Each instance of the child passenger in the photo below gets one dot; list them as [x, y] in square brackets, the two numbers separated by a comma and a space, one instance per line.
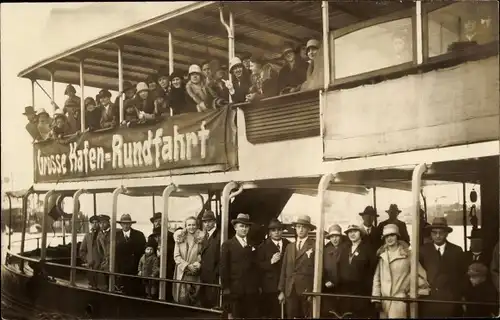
[93, 114]
[149, 266]
[480, 290]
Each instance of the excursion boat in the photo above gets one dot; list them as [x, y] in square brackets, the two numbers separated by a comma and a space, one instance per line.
[404, 96]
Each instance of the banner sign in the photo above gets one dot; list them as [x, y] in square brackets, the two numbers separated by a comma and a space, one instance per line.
[182, 141]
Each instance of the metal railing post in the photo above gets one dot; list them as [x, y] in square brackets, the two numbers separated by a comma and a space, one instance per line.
[326, 46]
[120, 83]
[419, 33]
[53, 90]
[320, 243]
[170, 53]
[112, 237]
[33, 93]
[82, 98]
[45, 218]
[76, 209]
[230, 36]
[164, 240]
[10, 220]
[416, 185]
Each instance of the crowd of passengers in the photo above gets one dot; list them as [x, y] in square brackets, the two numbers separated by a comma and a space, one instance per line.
[204, 87]
[258, 277]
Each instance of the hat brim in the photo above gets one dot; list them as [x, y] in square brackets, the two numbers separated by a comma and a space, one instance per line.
[246, 222]
[352, 229]
[430, 227]
[390, 211]
[234, 66]
[126, 221]
[369, 214]
[270, 227]
[328, 236]
[312, 226]
[154, 218]
[94, 218]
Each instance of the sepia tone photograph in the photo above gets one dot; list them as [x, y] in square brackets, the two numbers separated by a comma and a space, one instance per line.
[250, 160]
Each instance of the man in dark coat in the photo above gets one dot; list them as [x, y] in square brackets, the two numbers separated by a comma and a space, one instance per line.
[89, 252]
[270, 255]
[356, 267]
[297, 271]
[371, 233]
[444, 263]
[475, 253]
[238, 266]
[210, 256]
[129, 92]
[130, 245]
[32, 125]
[393, 219]
[155, 237]
[103, 244]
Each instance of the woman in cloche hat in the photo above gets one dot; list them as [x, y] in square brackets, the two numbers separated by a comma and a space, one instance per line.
[331, 255]
[392, 275]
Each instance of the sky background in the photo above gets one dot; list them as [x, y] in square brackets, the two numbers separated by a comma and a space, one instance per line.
[25, 40]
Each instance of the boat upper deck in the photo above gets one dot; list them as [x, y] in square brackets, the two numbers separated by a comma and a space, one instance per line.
[445, 74]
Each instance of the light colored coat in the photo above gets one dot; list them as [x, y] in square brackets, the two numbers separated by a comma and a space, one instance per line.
[184, 257]
[392, 279]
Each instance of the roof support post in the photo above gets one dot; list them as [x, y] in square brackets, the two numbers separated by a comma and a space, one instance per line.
[326, 46]
[374, 195]
[52, 90]
[33, 93]
[76, 209]
[230, 36]
[164, 240]
[45, 220]
[419, 39]
[120, 81]
[112, 237]
[82, 96]
[416, 186]
[10, 220]
[170, 53]
[320, 242]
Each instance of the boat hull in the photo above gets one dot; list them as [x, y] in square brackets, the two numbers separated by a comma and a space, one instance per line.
[24, 297]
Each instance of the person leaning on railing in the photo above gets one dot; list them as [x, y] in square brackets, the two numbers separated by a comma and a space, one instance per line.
[93, 114]
[108, 117]
[178, 99]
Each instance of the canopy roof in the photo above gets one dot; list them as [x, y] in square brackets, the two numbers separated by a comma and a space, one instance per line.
[261, 28]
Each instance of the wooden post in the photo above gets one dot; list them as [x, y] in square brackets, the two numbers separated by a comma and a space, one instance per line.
[82, 96]
[120, 82]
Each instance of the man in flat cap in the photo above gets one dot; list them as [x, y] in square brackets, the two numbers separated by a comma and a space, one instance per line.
[210, 256]
[270, 256]
[297, 271]
[89, 253]
[238, 266]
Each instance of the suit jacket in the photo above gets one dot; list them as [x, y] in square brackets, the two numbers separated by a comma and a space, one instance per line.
[482, 258]
[210, 256]
[374, 239]
[292, 77]
[241, 89]
[108, 117]
[89, 252]
[237, 267]
[356, 270]
[129, 252]
[270, 273]
[403, 231]
[297, 268]
[445, 275]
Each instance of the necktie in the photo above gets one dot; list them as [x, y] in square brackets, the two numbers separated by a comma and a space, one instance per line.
[279, 246]
[476, 257]
[439, 251]
[299, 245]
[244, 243]
[369, 230]
[206, 236]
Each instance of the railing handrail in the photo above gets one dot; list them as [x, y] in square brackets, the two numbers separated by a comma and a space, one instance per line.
[338, 295]
[53, 264]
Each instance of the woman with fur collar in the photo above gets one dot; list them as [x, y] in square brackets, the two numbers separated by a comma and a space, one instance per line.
[392, 276]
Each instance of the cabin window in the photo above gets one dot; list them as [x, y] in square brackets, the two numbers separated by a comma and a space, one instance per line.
[373, 48]
[462, 24]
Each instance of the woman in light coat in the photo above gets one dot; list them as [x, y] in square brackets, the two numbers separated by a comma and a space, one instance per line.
[187, 257]
[392, 275]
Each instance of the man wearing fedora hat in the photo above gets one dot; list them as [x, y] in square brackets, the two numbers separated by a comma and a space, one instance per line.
[445, 266]
[297, 271]
[32, 126]
[89, 253]
[270, 256]
[356, 267]
[476, 253]
[210, 257]
[110, 114]
[155, 236]
[130, 245]
[393, 212]
[370, 232]
[238, 265]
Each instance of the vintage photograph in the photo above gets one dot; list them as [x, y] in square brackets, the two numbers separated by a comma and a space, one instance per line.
[250, 160]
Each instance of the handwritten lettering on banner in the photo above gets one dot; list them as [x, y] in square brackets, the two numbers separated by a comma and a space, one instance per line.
[183, 141]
